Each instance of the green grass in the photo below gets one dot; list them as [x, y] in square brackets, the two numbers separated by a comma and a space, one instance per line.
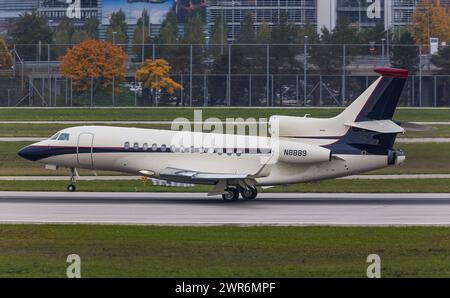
[330, 186]
[146, 251]
[421, 159]
[172, 113]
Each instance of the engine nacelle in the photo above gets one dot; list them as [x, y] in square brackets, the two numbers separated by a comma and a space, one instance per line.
[300, 153]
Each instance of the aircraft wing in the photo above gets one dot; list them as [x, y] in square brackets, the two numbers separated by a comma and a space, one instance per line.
[180, 175]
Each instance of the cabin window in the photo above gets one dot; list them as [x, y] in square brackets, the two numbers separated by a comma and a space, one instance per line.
[230, 151]
[54, 137]
[173, 148]
[238, 152]
[63, 137]
[136, 146]
[219, 151]
[154, 147]
[163, 147]
[126, 145]
[145, 146]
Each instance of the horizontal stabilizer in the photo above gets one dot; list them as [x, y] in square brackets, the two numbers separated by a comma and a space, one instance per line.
[381, 126]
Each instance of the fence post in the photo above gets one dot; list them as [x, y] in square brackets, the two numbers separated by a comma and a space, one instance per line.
[92, 91]
[435, 91]
[420, 76]
[71, 91]
[229, 77]
[113, 87]
[182, 91]
[135, 91]
[250, 90]
[320, 91]
[190, 78]
[305, 66]
[268, 74]
[344, 49]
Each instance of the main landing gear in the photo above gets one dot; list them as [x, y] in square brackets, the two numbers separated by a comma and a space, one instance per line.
[232, 193]
[73, 174]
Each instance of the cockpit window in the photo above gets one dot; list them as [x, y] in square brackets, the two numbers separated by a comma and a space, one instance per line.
[55, 136]
[64, 137]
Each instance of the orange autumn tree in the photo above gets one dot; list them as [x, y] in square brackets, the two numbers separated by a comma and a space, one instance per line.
[155, 75]
[93, 62]
[429, 19]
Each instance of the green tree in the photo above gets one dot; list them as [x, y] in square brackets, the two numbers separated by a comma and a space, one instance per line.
[91, 27]
[31, 29]
[167, 40]
[141, 37]
[247, 34]
[6, 61]
[219, 37]
[62, 37]
[263, 36]
[117, 23]
[442, 60]
[193, 30]
[405, 54]
[282, 54]
[79, 36]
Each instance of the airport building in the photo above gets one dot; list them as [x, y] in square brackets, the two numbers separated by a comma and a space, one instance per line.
[55, 10]
[299, 12]
[320, 13]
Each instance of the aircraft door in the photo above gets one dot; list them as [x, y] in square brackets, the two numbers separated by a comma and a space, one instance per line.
[85, 149]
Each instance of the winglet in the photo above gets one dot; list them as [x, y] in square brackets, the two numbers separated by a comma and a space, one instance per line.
[392, 72]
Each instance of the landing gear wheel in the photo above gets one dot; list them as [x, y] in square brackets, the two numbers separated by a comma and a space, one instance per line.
[249, 193]
[231, 194]
[71, 188]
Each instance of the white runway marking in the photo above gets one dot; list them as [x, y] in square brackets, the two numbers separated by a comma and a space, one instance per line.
[188, 209]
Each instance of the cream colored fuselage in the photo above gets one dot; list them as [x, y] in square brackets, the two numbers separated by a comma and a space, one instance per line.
[108, 154]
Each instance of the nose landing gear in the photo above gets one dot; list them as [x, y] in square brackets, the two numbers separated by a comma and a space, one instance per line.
[73, 174]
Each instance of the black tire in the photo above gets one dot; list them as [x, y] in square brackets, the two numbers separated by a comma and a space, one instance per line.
[71, 188]
[231, 195]
[250, 193]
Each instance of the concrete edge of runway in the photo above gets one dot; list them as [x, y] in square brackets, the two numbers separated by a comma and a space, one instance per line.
[226, 224]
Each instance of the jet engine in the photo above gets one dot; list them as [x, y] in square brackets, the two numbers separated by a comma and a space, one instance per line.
[300, 153]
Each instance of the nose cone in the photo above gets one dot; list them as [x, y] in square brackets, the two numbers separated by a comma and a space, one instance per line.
[25, 153]
[31, 153]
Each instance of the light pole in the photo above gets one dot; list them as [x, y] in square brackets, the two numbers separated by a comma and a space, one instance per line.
[382, 49]
[305, 66]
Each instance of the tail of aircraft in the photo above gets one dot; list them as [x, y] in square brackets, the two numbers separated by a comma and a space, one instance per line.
[370, 118]
[380, 100]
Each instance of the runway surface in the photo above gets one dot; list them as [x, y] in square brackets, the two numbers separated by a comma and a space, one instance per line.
[188, 209]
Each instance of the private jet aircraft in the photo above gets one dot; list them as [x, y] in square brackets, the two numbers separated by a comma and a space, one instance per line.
[298, 150]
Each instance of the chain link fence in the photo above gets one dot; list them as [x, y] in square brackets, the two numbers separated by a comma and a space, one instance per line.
[229, 75]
